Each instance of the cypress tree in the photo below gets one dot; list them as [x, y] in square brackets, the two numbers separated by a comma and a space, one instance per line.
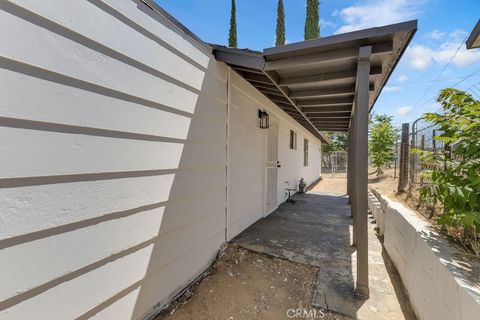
[280, 34]
[312, 29]
[232, 37]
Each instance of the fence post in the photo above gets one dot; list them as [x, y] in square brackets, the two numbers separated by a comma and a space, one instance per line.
[434, 142]
[395, 161]
[422, 147]
[403, 166]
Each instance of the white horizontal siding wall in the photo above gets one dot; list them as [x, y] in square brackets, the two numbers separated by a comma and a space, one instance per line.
[247, 155]
[292, 159]
[113, 181]
[112, 176]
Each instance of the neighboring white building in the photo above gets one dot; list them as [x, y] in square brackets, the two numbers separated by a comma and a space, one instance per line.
[129, 156]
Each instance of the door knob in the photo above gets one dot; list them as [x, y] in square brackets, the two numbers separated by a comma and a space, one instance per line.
[278, 164]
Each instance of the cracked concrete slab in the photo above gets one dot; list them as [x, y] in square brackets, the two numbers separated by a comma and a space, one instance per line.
[316, 230]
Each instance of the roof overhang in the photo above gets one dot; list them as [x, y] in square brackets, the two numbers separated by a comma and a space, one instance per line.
[314, 81]
[473, 40]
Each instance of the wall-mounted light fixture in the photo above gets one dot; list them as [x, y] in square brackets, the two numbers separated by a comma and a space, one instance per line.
[263, 116]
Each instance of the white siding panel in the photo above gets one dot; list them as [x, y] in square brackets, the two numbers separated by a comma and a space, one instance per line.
[241, 172]
[158, 287]
[76, 107]
[33, 208]
[253, 208]
[206, 131]
[113, 127]
[214, 87]
[44, 260]
[248, 155]
[112, 35]
[247, 160]
[193, 233]
[30, 44]
[60, 154]
[162, 30]
[243, 223]
[182, 211]
[122, 308]
[244, 189]
[86, 291]
[193, 181]
[203, 155]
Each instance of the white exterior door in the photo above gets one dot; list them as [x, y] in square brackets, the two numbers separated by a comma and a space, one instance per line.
[271, 168]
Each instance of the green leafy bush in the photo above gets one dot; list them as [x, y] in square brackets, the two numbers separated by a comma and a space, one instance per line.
[452, 175]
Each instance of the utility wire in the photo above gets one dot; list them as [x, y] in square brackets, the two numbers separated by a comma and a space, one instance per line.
[440, 73]
[467, 77]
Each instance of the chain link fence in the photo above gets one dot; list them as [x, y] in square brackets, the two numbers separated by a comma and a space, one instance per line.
[422, 137]
[334, 162]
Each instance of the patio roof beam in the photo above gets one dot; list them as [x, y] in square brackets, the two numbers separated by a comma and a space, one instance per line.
[270, 92]
[332, 124]
[325, 57]
[328, 92]
[333, 129]
[247, 60]
[329, 114]
[326, 102]
[246, 70]
[329, 108]
[341, 75]
[273, 77]
[257, 78]
[331, 119]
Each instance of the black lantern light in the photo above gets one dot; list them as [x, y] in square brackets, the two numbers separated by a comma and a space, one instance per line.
[263, 116]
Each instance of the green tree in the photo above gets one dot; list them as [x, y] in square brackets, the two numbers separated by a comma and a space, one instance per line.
[232, 37]
[452, 175]
[280, 32]
[383, 137]
[312, 28]
[338, 142]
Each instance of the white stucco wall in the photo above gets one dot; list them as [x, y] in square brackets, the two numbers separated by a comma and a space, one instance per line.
[113, 180]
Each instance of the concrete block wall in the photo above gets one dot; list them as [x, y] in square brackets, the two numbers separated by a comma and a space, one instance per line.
[440, 277]
[375, 208]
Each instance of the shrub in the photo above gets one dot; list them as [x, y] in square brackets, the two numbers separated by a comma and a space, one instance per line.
[452, 175]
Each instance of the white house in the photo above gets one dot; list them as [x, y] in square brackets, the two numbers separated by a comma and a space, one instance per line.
[130, 154]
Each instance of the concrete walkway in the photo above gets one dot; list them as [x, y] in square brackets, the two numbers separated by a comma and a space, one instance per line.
[316, 230]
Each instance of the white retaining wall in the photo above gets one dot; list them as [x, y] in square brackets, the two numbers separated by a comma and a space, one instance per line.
[113, 180]
[441, 279]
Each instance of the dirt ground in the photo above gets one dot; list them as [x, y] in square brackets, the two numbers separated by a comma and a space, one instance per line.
[337, 183]
[332, 183]
[386, 183]
[264, 287]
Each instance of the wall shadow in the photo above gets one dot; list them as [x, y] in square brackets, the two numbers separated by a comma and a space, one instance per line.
[193, 224]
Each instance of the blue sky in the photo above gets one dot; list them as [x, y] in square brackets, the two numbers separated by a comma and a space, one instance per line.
[442, 26]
